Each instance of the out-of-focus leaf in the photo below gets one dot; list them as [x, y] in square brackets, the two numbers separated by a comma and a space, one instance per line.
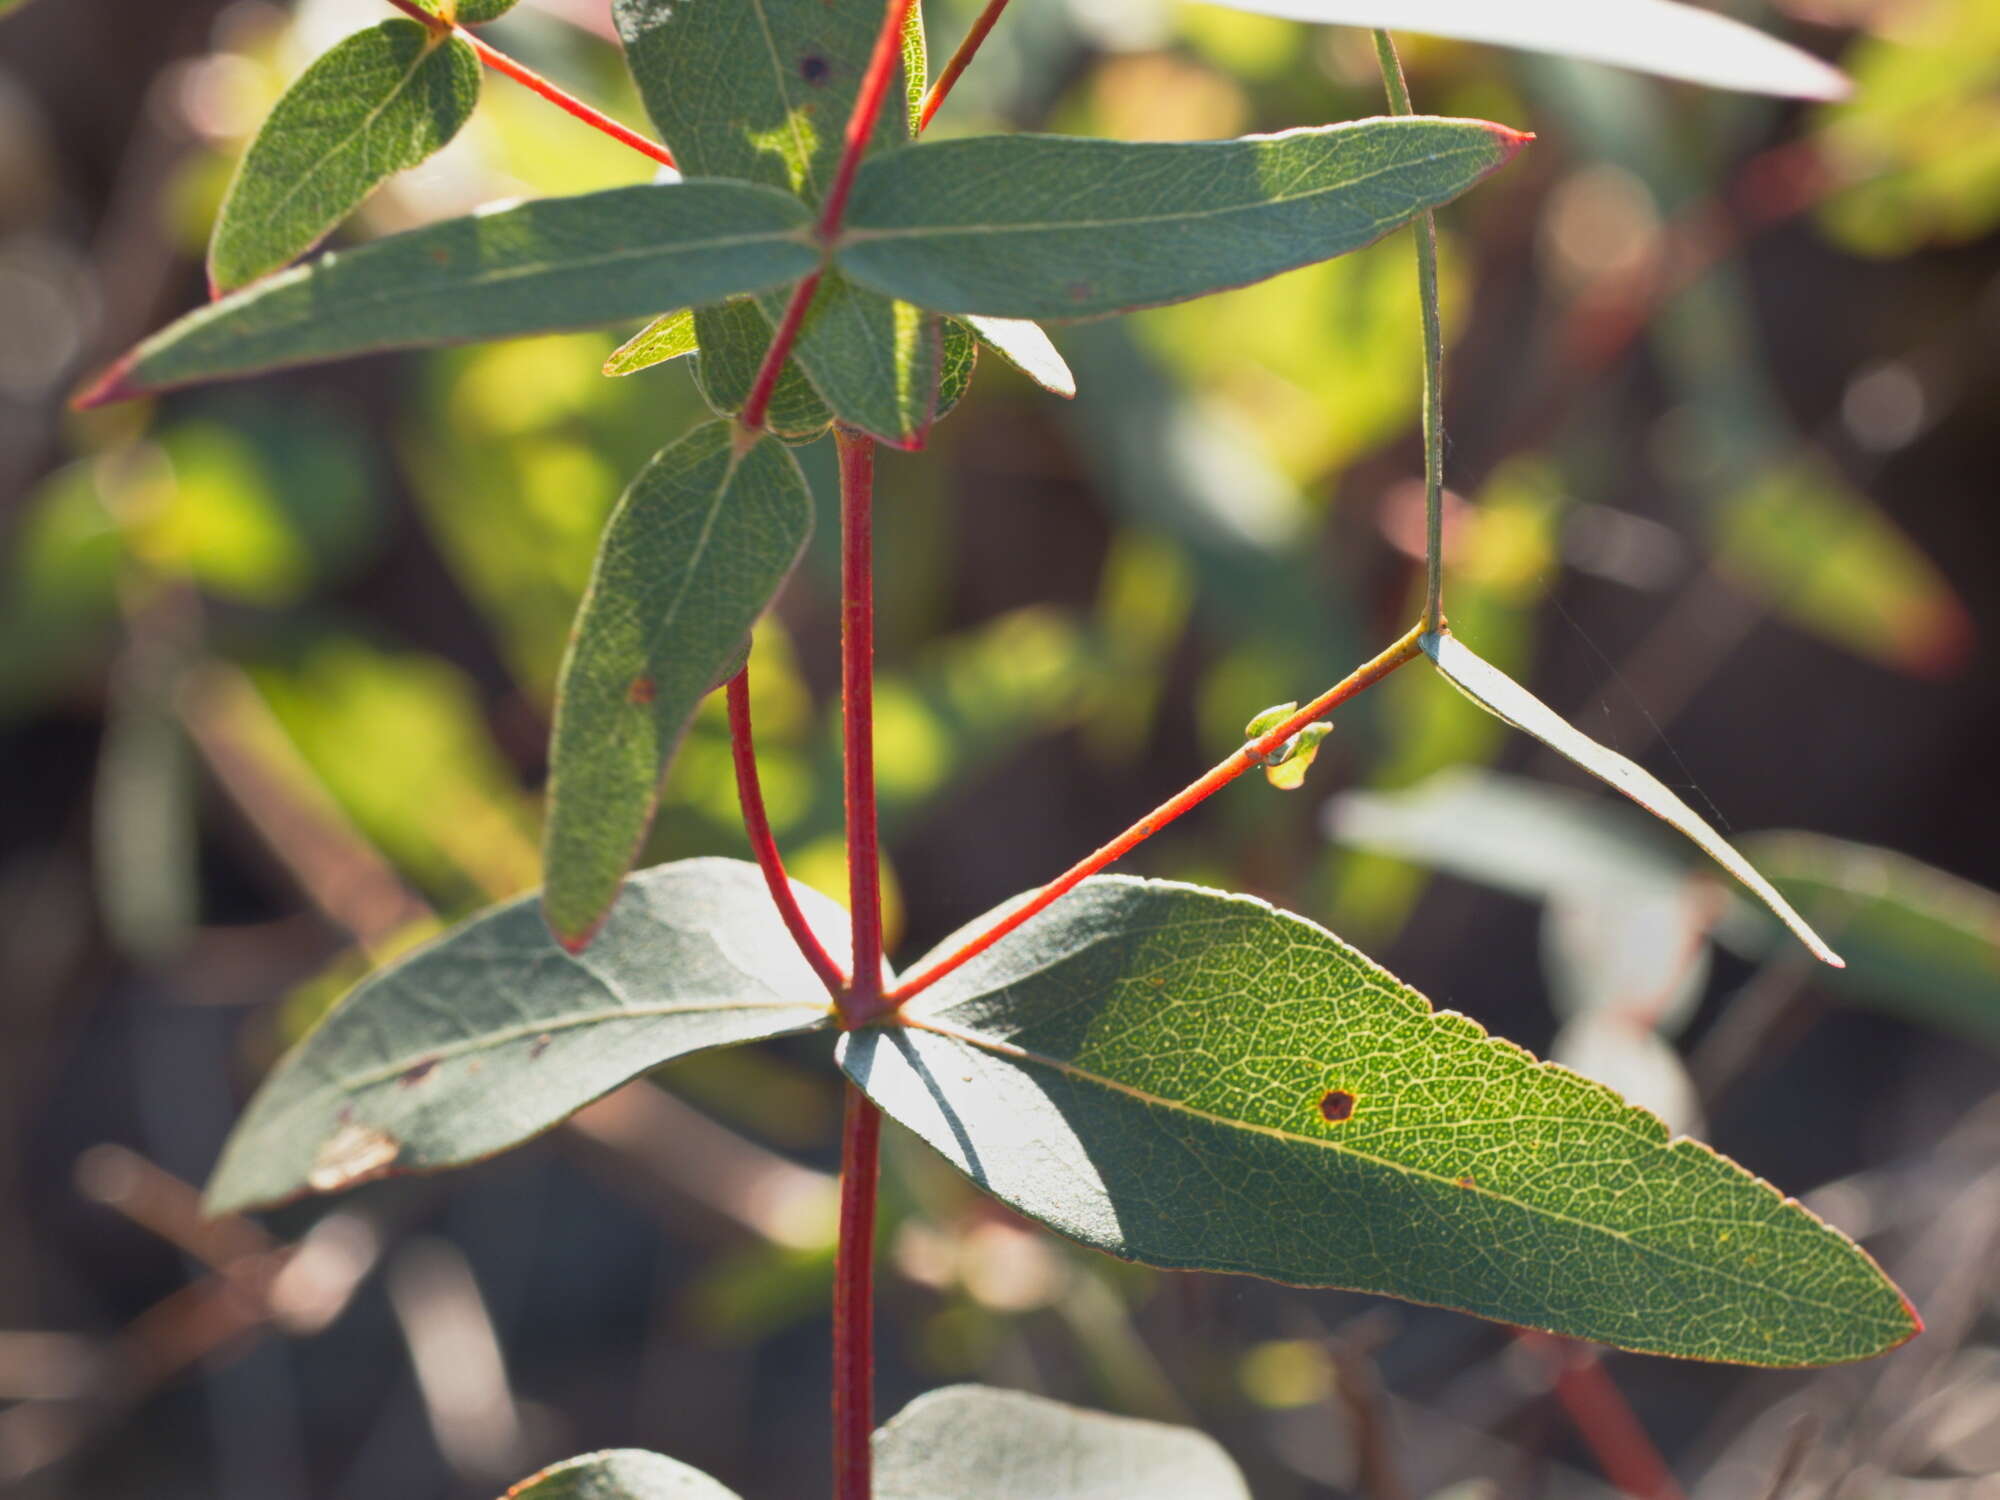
[552, 264]
[493, 1034]
[667, 337]
[693, 555]
[1026, 226]
[1653, 36]
[734, 337]
[380, 102]
[620, 1474]
[143, 813]
[1919, 942]
[1195, 1080]
[1824, 555]
[1630, 1058]
[8, 7]
[60, 596]
[1643, 954]
[468, 12]
[1504, 698]
[968, 1442]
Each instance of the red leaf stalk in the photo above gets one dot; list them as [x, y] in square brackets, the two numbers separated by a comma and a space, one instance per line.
[854, 1300]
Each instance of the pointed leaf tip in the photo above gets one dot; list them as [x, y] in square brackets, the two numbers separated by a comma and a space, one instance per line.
[110, 386]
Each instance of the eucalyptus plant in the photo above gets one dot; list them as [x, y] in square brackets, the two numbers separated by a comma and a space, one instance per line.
[1177, 1076]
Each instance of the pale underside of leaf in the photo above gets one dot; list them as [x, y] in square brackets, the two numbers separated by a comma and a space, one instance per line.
[494, 1033]
[620, 1474]
[378, 103]
[1030, 226]
[1197, 1081]
[1652, 36]
[1028, 349]
[970, 1442]
[1504, 698]
[539, 267]
[693, 555]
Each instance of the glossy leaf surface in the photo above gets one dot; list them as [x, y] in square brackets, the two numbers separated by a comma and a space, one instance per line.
[1653, 36]
[620, 1474]
[557, 263]
[694, 553]
[493, 1033]
[1198, 1081]
[1042, 226]
[968, 1442]
[379, 102]
[1504, 698]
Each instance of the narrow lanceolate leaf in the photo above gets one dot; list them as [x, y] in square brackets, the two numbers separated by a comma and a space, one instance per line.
[378, 103]
[1197, 1081]
[1040, 226]
[694, 553]
[620, 1474]
[968, 1442]
[668, 336]
[1653, 36]
[1504, 698]
[493, 1033]
[1028, 349]
[557, 263]
[734, 337]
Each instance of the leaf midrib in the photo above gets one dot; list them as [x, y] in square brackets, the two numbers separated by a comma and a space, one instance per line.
[1084, 1075]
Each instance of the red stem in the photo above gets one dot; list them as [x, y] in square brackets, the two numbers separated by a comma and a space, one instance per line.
[1606, 1421]
[1213, 781]
[766, 383]
[756, 823]
[500, 62]
[960, 59]
[854, 1300]
[857, 699]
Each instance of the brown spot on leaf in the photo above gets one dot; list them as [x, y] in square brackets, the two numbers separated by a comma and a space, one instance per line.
[541, 1045]
[353, 1153]
[440, 255]
[1466, 1182]
[417, 1072]
[1078, 291]
[814, 69]
[1336, 1105]
[641, 691]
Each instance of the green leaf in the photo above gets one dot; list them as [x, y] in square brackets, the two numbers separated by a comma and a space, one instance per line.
[493, 1033]
[1042, 226]
[380, 102]
[620, 1474]
[468, 12]
[1028, 349]
[668, 336]
[1197, 1081]
[1504, 698]
[877, 363]
[1654, 36]
[734, 338]
[968, 1442]
[694, 553]
[553, 264]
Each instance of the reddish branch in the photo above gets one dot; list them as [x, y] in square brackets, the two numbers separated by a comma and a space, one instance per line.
[960, 60]
[857, 699]
[756, 823]
[1215, 780]
[854, 1300]
[1606, 1421]
[500, 62]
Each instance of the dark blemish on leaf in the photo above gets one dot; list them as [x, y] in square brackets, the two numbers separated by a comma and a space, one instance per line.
[641, 691]
[418, 1072]
[1466, 1182]
[1078, 291]
[813, 68]
[1336, 1105]
[540, 1046]
[440, 255]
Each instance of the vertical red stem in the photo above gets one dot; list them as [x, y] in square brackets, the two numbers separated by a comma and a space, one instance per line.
[854, 1300]
[764, 845]
[857, 697]
[1607, 1423]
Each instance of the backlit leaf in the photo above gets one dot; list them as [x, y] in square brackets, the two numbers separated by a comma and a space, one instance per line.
[620, 1474]
[1654, 36]
[381, 101]
[493, 1033]
[968, 1442]
[694, 553]
[1039, 226]
[734, 337]
[668, 336]
[1504, 698]
[557, 263]
[1198, 1081]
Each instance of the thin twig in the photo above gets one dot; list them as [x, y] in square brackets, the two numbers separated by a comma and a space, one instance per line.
[854, 1300]
[960, 60]
[857, 698]
[1605, 1420]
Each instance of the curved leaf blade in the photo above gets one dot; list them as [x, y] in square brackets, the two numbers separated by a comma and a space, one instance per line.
[378, 103]
[969, 1442]
[493, 1033]
[1043, 226]
[1652, 36]
[1504, 698]
[694, 553]
[1198, 1081]
[541, 267]
[620, 1474]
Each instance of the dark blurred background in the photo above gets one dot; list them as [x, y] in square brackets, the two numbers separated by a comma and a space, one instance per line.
[275, 664]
